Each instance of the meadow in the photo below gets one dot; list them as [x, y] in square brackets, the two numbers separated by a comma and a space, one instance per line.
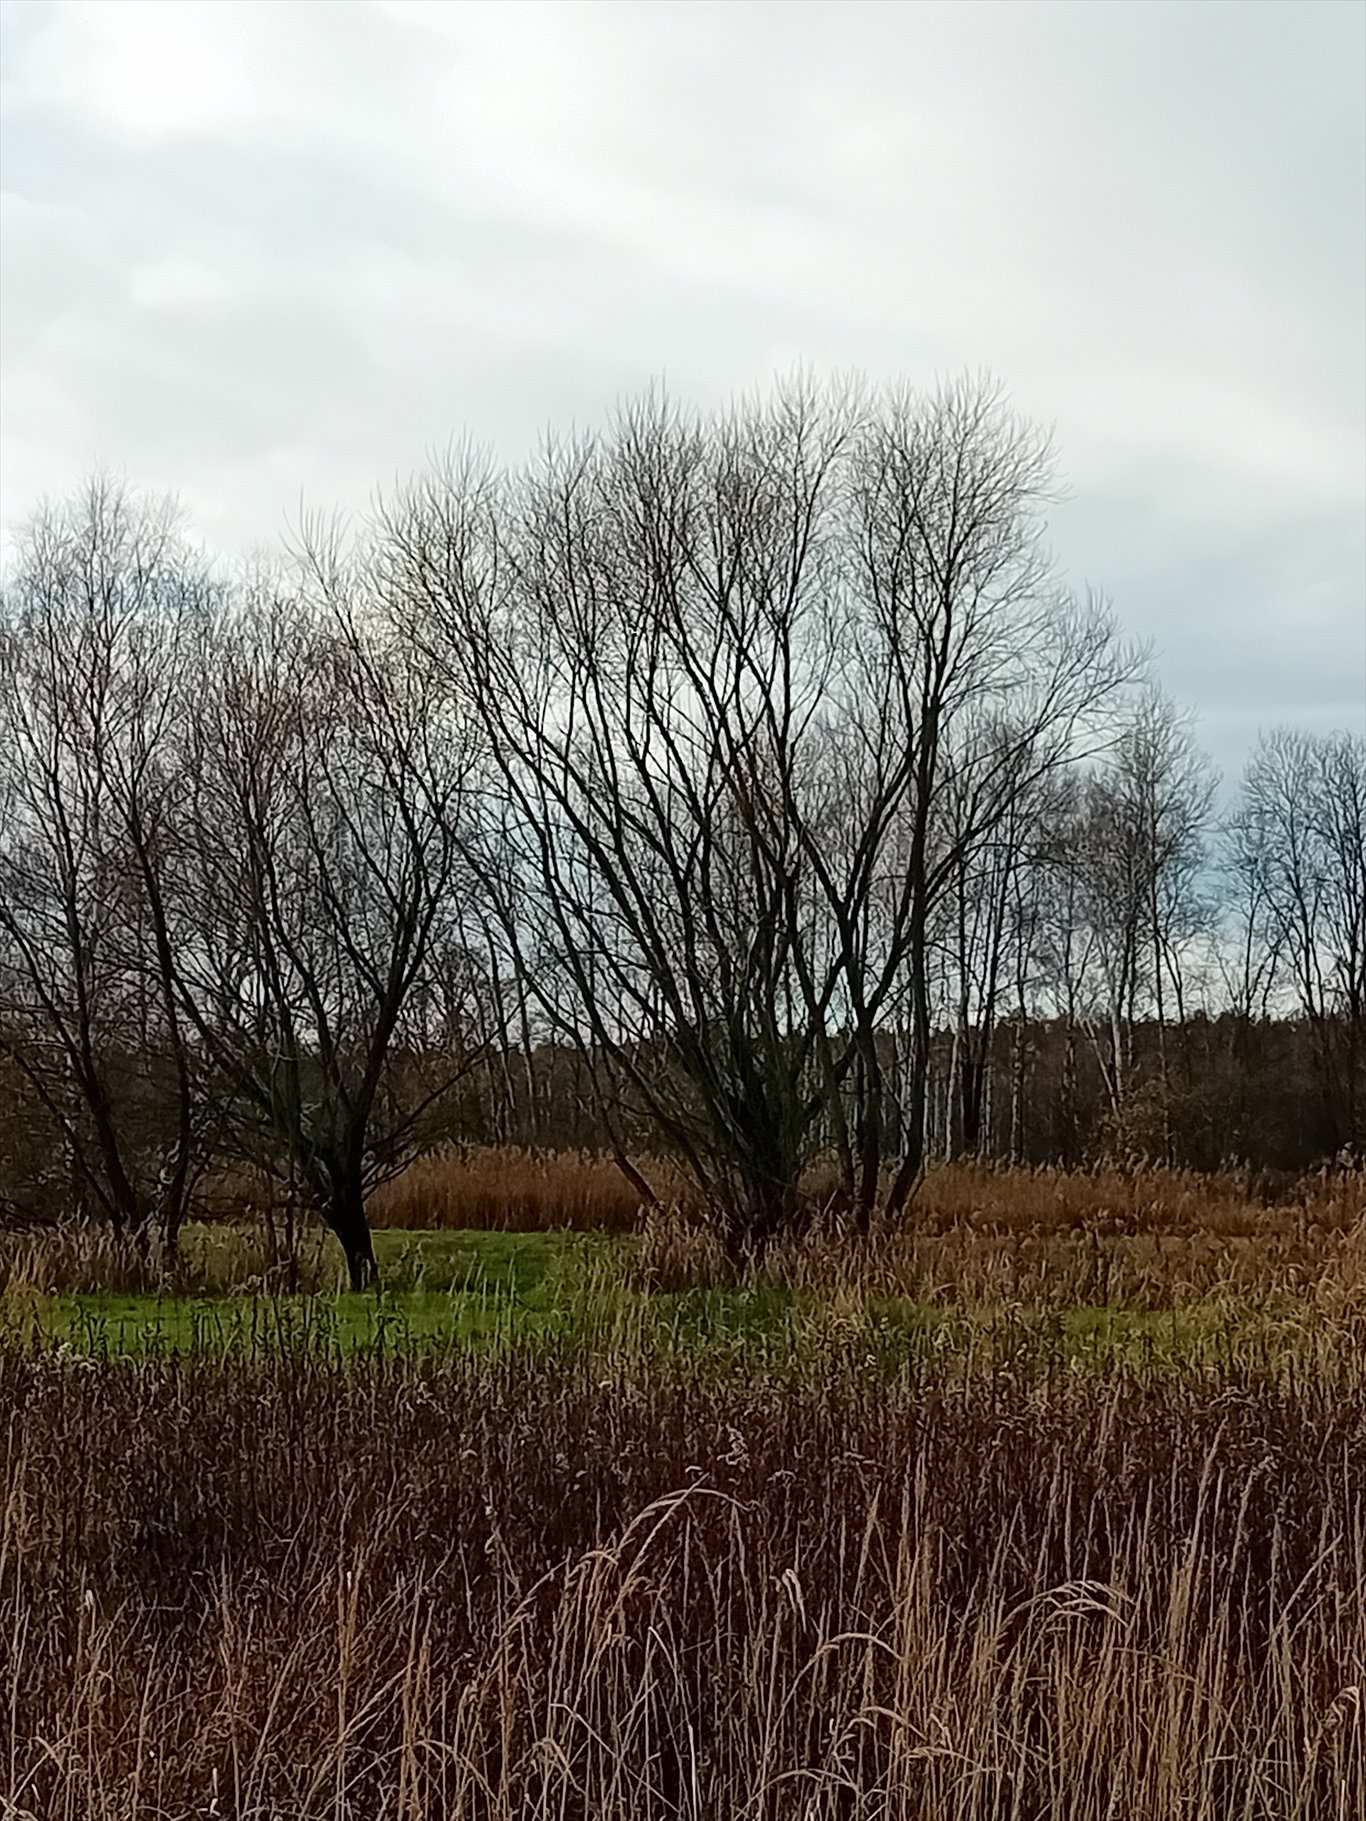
[1051, 1503]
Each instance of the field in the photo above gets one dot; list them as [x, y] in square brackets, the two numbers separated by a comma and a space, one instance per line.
[1052, 1505]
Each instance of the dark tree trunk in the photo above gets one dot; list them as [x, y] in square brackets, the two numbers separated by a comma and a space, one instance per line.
[344, 1212]
[913, 1156]
[972, 1084]
[918, 1078]
[871, 1145]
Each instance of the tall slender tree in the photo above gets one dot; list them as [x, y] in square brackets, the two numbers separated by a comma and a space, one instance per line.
[103, 604]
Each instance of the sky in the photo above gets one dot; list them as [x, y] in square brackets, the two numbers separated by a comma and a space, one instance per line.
[275, 254]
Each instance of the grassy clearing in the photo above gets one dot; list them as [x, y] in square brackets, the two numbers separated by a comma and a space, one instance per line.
[604, 1294]
[448, 1288]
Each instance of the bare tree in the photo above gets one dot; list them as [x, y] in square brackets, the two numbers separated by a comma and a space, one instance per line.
[976, 677]
[729, 672]
[1064, 957]
[639, 627]
[1134, 843]
[328, 965]
[1171, 784]
[1298, 846]
[725, 780]
[102, 606]
[985, 897]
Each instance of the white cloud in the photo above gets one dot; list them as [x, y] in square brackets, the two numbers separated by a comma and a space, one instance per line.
[179, 283]
[144, 68]
[267, 245]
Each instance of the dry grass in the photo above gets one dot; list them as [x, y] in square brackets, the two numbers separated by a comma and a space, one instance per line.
[509, 1190]
[600, 1588]
[80, 1259]
[603, 1579]
[1147, 1240]
[536, 1191]
[515, 1190]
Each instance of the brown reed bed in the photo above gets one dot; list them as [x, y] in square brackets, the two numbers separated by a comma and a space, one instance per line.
[1053, 1239]
[526, 1191]
[628, 1589]
[1150, 1197]
[81, 1258]
[496, 1188]
[639, 1582]
[1144, 1239]
[533, 1191]
[506, 1188]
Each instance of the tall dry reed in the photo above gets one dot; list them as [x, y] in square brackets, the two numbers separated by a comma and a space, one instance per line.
[627, 1589]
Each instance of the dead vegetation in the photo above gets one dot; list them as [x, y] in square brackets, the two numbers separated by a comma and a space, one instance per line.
[610, 1588]
[514, 1189]
[616, 1580]
[511, 1189]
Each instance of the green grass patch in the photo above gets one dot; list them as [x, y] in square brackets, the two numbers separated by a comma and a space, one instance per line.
[440, 1289]
[490, 1290]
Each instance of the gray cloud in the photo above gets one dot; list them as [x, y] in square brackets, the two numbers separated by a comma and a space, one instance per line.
[257, 250]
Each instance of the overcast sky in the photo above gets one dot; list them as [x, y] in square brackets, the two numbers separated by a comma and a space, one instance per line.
[253, 252]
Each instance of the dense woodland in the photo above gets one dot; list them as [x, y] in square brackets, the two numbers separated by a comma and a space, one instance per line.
[744, 789]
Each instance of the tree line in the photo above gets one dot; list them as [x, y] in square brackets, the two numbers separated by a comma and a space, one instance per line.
[743, 786]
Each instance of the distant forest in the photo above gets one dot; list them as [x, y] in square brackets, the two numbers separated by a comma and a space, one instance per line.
[1215, 1091]
[742, 788]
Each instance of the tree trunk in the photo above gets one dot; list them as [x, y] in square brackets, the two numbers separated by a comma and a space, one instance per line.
[917, 1089]
[871, 1147]
[345, 1214]
[972, 1095]
[1069, 1091]
[1017, 1089]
